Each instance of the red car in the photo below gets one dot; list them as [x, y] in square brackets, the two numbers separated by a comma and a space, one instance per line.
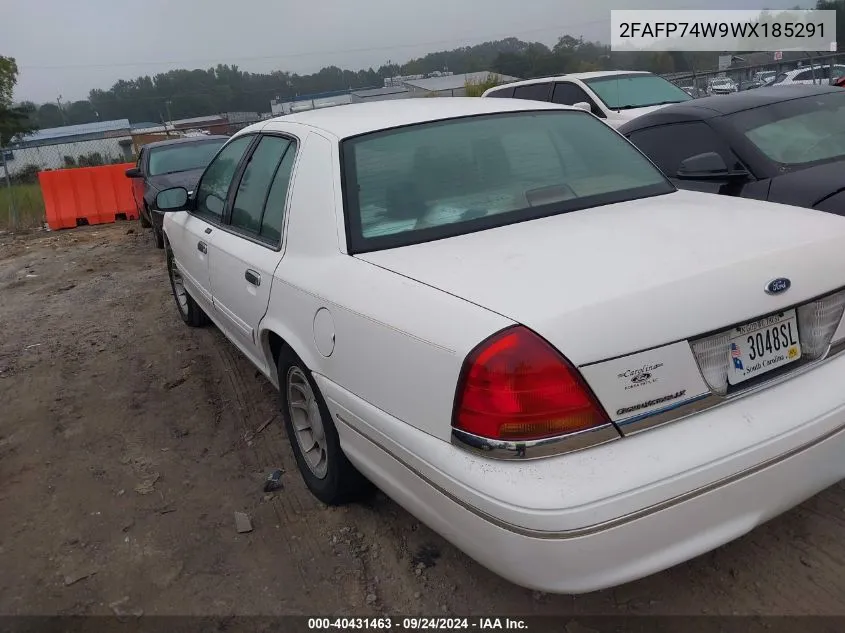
[840, 81]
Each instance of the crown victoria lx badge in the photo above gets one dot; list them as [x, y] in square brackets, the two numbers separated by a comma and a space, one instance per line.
[778, 286]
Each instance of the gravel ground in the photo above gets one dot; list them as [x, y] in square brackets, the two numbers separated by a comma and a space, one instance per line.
[128, 441]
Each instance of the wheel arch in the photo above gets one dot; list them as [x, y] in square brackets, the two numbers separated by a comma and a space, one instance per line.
[275, 338]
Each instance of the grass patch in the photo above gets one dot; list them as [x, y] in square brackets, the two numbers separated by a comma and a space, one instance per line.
[477, 88]
[29, 206]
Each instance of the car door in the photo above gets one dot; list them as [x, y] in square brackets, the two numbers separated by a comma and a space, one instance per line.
[568, 93]
[669, 145]
[193, 232]
[244, 255]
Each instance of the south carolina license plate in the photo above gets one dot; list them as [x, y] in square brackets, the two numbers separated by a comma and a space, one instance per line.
[763, 345]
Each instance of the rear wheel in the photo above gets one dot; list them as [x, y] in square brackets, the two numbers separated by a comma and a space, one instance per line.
[190, 312]
[324, 467]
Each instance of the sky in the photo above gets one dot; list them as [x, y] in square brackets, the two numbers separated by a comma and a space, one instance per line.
[64, 49]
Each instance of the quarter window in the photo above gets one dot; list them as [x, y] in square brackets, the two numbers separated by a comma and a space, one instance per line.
[214, 187]
[502, 92]
[532, 92]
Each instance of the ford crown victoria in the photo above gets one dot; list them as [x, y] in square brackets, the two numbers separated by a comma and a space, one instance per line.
[505, 317]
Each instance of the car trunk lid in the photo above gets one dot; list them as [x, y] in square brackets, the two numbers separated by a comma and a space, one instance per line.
[610, 281]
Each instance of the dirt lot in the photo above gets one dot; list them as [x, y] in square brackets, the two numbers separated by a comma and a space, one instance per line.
[126, 445]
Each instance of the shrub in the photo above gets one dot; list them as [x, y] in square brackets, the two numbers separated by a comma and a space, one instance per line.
[475, 88]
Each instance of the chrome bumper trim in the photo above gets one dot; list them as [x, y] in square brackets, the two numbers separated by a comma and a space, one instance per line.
[605, 525]
[700, 404]
[535, 449]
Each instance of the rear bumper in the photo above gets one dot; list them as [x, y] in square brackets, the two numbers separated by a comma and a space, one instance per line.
[619, 511]
[625, 550]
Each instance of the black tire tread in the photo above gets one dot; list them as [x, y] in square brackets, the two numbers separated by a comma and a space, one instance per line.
[343, 483]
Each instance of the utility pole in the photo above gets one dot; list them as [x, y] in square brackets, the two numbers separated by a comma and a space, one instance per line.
[61, 110]
[13, 215]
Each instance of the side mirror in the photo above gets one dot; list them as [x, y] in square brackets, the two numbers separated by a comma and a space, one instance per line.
[707, 166]
[583, 105]
[173, 199]
[134, 172]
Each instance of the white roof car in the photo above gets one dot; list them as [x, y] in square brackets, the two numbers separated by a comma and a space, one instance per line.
[614, 96]
[808, 75]
[504, 316]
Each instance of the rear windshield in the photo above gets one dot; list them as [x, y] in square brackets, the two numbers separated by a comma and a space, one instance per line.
[624, 92]
[183, 156]
[797, 132]
[429, 181]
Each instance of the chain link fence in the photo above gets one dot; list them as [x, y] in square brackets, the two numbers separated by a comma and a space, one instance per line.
[21, 201]
[794, 69]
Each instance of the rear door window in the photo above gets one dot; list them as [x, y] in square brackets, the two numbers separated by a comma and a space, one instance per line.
[533, 92]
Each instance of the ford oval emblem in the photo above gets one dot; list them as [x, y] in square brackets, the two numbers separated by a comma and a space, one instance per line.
[778, 286]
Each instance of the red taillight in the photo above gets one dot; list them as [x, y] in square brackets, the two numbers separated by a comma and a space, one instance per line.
[517, 387]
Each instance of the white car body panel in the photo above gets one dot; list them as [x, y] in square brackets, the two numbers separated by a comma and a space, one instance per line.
[617, 289]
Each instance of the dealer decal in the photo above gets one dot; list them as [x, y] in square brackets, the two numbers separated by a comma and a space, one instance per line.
[650, 403]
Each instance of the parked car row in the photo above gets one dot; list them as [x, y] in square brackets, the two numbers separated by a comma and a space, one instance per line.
[509, 319]
[782, 143]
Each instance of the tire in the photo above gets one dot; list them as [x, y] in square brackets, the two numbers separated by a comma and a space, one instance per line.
[340, 482]
[188, 309]
[158, 236]
[145, 223]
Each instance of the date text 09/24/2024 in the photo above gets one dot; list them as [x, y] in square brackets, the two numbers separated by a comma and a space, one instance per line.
[417, 624]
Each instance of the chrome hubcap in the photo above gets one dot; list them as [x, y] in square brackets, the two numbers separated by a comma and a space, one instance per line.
[307, 422]
[178, 287]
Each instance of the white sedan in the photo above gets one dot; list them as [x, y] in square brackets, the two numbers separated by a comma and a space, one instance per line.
[505, 317]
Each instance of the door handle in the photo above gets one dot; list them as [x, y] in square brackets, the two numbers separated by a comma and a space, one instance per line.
[253, 277]
[201, 247]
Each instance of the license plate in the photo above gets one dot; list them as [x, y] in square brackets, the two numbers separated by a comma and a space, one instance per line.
[762, 346]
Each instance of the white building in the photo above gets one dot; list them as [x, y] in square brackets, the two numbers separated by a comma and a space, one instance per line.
[451, 85]
[51, 148]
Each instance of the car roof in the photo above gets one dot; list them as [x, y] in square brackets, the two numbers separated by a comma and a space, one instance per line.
[719, 105]
[801, 69]
[353, 119]
[580, 76]
[185, 140]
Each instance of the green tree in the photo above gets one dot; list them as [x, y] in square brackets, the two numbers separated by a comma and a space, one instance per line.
[80, 112]
[49, 115]
[14, 121]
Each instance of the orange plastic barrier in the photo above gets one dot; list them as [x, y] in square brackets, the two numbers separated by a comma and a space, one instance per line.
[87, 195]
